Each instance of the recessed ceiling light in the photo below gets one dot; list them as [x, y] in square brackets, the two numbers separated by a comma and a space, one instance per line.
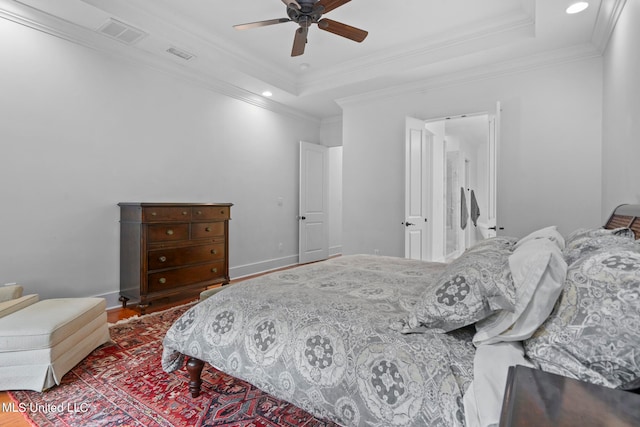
[577, 7]
[267, 93]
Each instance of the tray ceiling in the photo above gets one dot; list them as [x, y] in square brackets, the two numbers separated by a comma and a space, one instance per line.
[411, 43]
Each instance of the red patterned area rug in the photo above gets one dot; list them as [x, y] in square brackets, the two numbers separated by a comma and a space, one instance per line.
[122, 384]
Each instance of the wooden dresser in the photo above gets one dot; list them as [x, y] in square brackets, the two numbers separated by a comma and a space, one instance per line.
[170, 250]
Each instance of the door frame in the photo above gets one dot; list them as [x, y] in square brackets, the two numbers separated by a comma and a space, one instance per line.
[436, 221]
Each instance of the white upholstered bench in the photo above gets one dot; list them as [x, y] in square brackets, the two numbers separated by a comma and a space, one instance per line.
[40, 341]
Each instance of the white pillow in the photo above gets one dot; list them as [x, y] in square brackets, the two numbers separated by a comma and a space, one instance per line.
[538, 271]
[550, 233]
[483, 399]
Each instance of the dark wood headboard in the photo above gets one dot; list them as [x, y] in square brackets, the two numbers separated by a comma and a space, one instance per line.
[625, 216]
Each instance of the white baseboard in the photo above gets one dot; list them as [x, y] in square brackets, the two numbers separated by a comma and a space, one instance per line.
[335, 250]
[237, 272]
[245, 270]
[112, 299]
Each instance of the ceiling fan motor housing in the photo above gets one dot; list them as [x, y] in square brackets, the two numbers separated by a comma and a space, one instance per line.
[307, 14]
[307, 3]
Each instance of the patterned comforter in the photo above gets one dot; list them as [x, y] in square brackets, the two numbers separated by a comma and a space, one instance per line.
[319, 336]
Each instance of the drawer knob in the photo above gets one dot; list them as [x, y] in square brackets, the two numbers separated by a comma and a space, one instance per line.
[199, 213]
[170, 232]
[207, 229]
[184, 212]
[162, 280]
[214, 270]
[153, 214]
[221, 212]
[214, 252]
[162, 259]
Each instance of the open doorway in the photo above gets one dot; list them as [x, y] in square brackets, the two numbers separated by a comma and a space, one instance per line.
[466, 181]
[460, 184]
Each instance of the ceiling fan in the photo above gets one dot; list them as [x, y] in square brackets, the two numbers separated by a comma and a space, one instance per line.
[307, 12]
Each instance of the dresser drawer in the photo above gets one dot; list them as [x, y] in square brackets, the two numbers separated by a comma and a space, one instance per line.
[167, 258]
[203, 213]
[167, 232]
[172, 279]
[166, 213]
[202, 230]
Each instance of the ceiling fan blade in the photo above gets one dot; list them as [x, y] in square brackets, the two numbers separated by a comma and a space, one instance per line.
[329, 5]
[344, 30]
[292, 3]
[261, 23]
[299, 41]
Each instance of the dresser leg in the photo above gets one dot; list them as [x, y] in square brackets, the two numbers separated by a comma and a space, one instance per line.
[124, 300]
[143, 307]
[194, 367]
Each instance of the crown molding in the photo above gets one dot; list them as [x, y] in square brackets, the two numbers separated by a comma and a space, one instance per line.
[431, 51]
[172, 26]
[46, 23]
[608, 14]
[516, 66]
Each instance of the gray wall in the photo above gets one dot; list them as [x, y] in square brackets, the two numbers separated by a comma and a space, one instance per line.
[621, 123]
[81, 131]
[549, 170]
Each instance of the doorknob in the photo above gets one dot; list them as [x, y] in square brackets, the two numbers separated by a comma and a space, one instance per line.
[494, 228]
[302, 218]
[407, 224]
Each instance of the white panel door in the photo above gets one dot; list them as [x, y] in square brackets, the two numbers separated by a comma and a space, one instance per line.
[313, 223]
[494, 140]
[417, 191]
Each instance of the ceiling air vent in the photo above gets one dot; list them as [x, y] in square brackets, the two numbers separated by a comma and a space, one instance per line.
[180, 53]
[121, 31]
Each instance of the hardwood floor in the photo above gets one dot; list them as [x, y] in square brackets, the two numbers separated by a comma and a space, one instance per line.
[8, 418]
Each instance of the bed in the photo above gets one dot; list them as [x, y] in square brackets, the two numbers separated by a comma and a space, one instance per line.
[384, 341]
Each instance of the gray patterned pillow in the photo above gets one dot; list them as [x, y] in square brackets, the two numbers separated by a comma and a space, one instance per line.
[471, 288]
[594, 332]
[585, 243]
[596, 232]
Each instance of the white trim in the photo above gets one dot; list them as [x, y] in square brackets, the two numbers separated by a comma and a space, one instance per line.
[158, 20]
[360, 70]
[335, 251]
[241, 271]
[60, 28]
[237, 272]
[415, 54]
[608, 14]
[520, 65]
[112, 299]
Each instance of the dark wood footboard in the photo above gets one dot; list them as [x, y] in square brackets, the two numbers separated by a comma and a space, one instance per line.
[194, 367]
[625, 216]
